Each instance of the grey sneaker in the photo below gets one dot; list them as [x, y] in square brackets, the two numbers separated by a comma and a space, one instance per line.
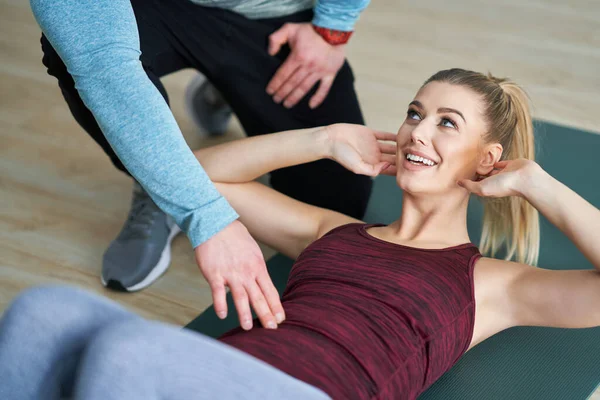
[142, 251]
[207, 108]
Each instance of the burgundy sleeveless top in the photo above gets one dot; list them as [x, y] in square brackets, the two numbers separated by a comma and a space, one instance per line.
[368, 319]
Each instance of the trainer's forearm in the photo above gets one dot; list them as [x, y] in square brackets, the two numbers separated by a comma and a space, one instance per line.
[99, 43]
[573, 215]
[247, 159]
[340, 15]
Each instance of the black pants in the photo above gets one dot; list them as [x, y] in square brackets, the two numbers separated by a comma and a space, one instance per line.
[231, 51]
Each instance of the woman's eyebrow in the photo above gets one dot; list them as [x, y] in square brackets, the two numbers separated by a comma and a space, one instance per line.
[451, 110]
[418, 104]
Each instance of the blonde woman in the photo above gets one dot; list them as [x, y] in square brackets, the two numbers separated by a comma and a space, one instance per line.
[371, 311]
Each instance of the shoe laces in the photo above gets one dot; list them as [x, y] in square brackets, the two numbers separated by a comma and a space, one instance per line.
[142, 216]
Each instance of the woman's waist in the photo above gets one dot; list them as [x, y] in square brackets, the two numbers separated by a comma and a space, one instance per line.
[305, 354]
[376, 343]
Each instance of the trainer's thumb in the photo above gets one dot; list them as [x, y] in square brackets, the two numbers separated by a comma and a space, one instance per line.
[279, 38]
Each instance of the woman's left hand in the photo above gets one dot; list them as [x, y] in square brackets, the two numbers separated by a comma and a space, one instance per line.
[363, 150]
[506, 179]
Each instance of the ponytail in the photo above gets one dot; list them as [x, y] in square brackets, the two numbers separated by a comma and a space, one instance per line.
[513, 220]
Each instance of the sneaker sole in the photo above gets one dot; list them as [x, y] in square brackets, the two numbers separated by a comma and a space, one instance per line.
[159, 269]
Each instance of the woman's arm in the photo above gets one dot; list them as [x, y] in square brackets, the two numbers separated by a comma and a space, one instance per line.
[526, 295]
[277, 220]
[247, 159]
[565, 209]
[515, 294]
[356, 147]
[568, 299]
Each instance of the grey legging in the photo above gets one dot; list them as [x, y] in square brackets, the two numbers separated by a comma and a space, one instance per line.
[62, 341]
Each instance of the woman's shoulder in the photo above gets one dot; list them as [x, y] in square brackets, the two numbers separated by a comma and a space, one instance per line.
[500, 268]
[335, 225]
[345, 227]
[493, 280]
[492, 275]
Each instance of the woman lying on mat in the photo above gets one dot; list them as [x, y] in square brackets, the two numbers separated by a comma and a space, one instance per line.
[371, 311]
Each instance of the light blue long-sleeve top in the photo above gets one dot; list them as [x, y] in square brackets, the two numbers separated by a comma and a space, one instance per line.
[340, 15]
[99, 43]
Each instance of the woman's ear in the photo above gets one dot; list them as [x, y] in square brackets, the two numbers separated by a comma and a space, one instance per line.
[490, 156]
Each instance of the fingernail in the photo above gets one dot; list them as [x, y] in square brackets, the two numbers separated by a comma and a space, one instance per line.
[287, 105]
[222, 314]
[279, 317]
[247, 324]
[269, 91]
[271, 325]
[277, 99]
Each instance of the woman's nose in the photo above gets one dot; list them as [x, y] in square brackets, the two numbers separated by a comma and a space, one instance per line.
[420, 135]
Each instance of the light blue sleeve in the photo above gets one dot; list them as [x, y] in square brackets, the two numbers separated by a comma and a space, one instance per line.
[340, 15]
[99, 43]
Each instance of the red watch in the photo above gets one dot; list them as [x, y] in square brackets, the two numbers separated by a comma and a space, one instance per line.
[333, 37]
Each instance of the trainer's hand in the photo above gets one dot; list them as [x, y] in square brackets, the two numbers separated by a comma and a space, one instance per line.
[362, 150]
[232, 258]
[312, 59]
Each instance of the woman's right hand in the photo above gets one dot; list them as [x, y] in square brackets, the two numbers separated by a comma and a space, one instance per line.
[362, 150]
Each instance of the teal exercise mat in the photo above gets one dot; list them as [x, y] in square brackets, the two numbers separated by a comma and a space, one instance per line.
[520, 363]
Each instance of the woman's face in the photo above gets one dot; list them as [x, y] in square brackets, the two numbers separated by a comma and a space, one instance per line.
[440, 140]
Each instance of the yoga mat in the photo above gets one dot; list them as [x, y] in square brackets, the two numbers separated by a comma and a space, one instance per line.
[520, 363]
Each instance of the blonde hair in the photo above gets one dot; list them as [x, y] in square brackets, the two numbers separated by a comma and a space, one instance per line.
[509, 221]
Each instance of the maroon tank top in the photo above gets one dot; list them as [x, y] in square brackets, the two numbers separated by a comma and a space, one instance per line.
[368, 319]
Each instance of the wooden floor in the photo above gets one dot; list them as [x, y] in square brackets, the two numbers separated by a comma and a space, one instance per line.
[62, 202]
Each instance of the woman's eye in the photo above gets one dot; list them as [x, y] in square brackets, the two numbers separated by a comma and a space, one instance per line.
[448, 123]
[412, 114]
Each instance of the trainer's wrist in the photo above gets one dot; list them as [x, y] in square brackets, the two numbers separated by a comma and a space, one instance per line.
[332, 36]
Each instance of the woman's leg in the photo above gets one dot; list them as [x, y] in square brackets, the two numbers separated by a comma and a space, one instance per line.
[42, 335]
[139, 359]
